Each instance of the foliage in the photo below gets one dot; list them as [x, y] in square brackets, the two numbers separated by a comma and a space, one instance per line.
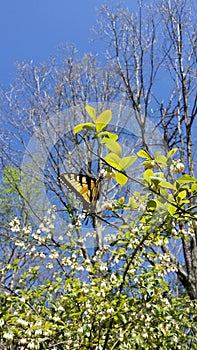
[124, 276]
[124, 302]
[10, 201]
[93, 315]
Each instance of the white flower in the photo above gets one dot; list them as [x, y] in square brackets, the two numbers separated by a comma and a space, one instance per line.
[179, 168]
[22, 322]
[113, 278]
[49, 266]
[145, 335]
[109, 238]
[27, 229]
[38, 323]
[8, 336]
[116, 260]
[89, 268]
[23, 341]
[148, 305]
[51, 227]
[142, 207]
[110, 310]
[121, 336]
[35, 235]
[135, 230]
[103, 267]
[44, 228]
[101, 293]
[19, 243]
[108, 173]
[42, 255]
[42, 239]
[33, 249]
[66, 261]
[88, 305]
[78, 223]
[47, 332]
[51, 210]
[174, 232]
[103, 284]
[80, 330]
[88, 262]
[53, 255]
[85, 290]
[56, 318]
[81, 216]
[38, 331]
[60, 308]
[79, 268]
[15, 225]
[31, 345]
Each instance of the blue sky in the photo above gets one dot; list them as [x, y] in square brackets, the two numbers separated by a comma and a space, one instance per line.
[33, 29]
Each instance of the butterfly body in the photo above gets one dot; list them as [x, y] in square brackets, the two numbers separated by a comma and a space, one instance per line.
[84, 186]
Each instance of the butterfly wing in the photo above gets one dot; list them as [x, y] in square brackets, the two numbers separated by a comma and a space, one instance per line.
[84, 186]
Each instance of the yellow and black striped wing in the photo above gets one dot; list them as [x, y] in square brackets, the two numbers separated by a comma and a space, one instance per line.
[84, 186]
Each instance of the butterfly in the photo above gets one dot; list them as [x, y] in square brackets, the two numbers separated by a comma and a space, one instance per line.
[85, 187]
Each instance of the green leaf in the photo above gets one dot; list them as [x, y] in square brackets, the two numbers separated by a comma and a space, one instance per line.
[143, 154]
[113, 160]
[113, 146]
[161, 160]
[172, 152]
[59, 279]
[182, 194]
[186, 178]
[108, 135]
[166, 184]
[103, 119]
[91, 111]
[194, 188]
[156, 181]
[126, 162]
[121, 200]
[152, 204]
[172, 209]
[112, 244]
[121, 178]
[123, 318]
[128, 235]
[165, 194]
[80, 127]
[15, 262]
[147, 174]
